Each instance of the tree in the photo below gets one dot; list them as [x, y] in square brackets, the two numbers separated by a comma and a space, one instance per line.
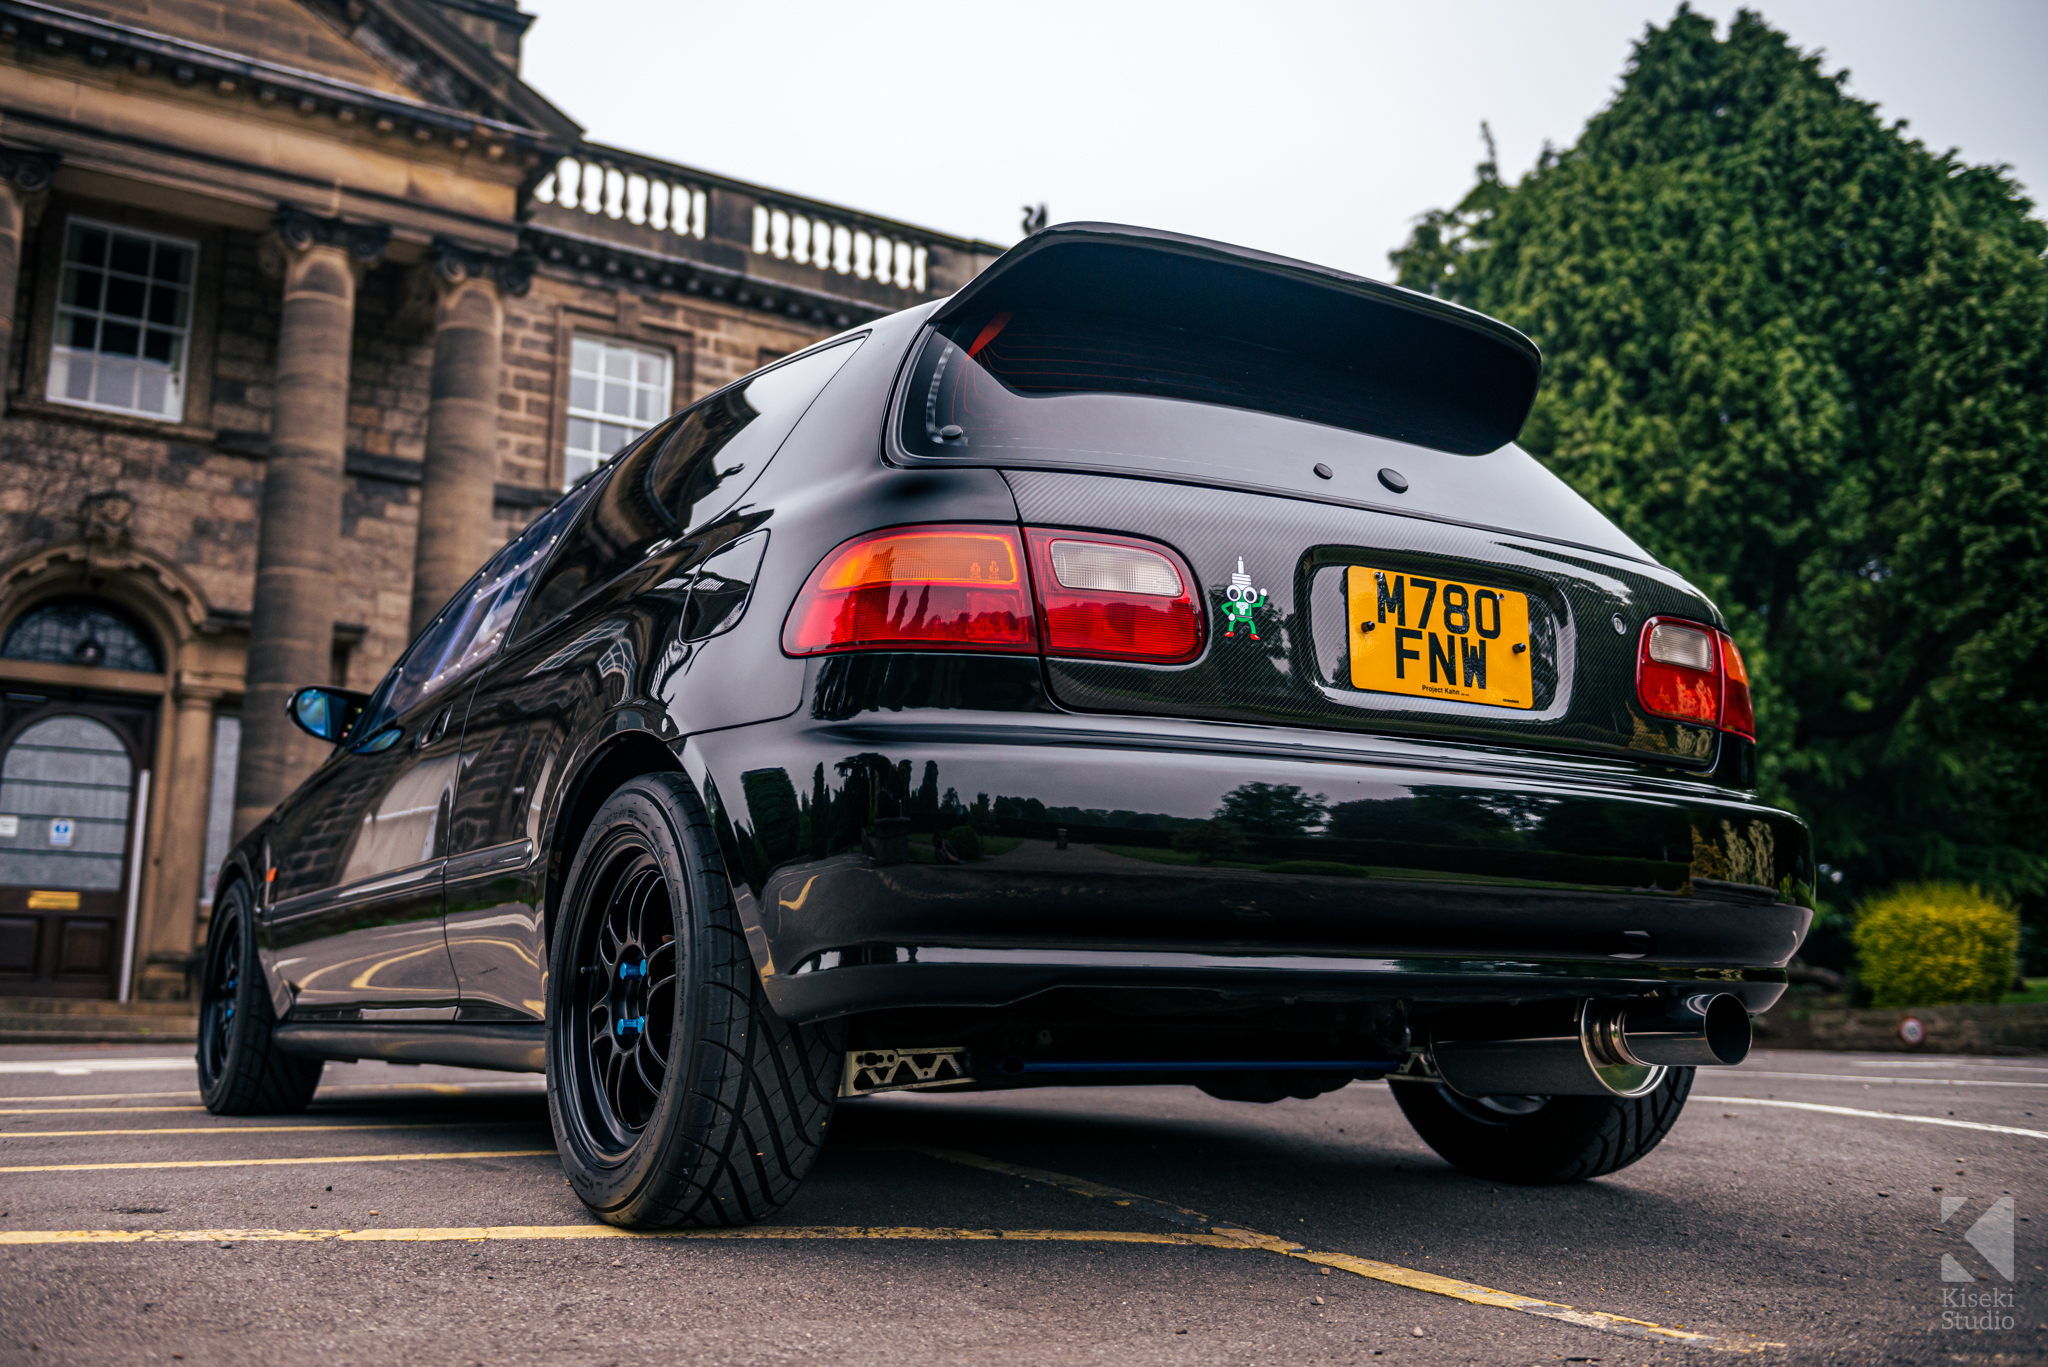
[1804, 360]
[1272, 809]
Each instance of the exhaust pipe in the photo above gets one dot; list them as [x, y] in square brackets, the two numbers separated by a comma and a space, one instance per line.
[1591, 1048]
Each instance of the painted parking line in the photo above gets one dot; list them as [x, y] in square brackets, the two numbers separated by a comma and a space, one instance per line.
[1819, 1109]
[491, 1233]
[265, 1129]
[97, 1110]
[1392, 1273]
[80, 1067]
[284, 1162]
[429, 1088]
[1165, 1210]
[1866, 1079]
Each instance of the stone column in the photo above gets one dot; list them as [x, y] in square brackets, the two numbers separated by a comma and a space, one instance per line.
[291, 627]
[22, 175]
[168, 931]
[461, 467]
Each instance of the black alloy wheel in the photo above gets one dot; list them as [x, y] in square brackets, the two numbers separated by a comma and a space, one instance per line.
[241, 1069]
[1539, 1141]
[623, 1013]
[677, 1095]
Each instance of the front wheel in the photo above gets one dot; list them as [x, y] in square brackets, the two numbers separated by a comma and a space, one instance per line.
[1539, 1141]
[677, 1095]
[241, 1069]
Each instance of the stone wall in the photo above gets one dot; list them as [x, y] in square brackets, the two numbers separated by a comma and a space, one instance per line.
[2013, 1028]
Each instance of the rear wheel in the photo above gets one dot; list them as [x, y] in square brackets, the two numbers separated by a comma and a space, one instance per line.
[677, 1095]
[1537, 1141]
[241, 1069]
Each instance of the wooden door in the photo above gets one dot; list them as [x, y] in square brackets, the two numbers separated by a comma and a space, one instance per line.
[67, 804]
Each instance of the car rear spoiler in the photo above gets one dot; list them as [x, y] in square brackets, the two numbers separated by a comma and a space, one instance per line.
[1476, 375]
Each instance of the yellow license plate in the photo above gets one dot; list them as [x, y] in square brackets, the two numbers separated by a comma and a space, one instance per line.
[1438, 638]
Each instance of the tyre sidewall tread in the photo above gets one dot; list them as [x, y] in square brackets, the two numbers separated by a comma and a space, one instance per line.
[257, 1077]
[1572, 1139]
[748, 1097]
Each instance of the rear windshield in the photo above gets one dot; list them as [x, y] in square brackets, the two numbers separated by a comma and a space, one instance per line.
[1054, 386]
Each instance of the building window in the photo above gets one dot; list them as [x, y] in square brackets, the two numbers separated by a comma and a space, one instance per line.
[616, 392]
[124, 320]
[82, 631]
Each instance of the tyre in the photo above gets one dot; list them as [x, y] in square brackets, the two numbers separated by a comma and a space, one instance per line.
[1537, 1141]
[241, 1069]
[677, 1095]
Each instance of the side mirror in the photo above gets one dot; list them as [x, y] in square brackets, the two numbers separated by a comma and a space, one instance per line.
[325, 713]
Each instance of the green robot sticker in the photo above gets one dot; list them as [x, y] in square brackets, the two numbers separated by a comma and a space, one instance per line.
[1238, 602]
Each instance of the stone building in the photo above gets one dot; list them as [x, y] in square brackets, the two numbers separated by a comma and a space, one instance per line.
[313, 303]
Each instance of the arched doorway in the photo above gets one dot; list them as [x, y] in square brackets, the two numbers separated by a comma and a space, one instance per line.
[67, 803]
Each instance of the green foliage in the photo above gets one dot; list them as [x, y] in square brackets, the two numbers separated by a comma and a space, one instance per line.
[966, 842]
[1923, 944]
[1212, 840]
[1804, 360]
[1272, 809]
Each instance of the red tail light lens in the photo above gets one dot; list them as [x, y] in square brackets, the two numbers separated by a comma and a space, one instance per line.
[917, 588]
[1114, 598]
[1694, 673]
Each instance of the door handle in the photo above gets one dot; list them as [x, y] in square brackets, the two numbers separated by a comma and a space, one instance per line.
[433, 730]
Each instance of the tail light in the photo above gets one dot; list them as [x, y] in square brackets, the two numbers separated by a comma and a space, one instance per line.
[1694, 673]
[917, 588]
[1113, 598]
[1738, 713]
[967, 588]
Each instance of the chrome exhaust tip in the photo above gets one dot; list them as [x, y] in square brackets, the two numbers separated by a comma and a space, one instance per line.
[1594, 1048]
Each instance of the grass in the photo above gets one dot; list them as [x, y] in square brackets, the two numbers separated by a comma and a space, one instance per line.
[991, 846]
[2037, 991]
[1152, 854]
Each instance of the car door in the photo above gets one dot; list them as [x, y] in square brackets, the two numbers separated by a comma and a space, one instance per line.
[593, 636]
[354, 925]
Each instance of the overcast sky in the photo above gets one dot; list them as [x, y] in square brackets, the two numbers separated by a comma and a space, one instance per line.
[1317, 130]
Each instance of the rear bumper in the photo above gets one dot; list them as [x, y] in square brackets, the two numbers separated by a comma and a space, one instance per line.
[1433, 874]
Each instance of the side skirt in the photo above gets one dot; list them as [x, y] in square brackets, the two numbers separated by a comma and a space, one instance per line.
[511, 1048]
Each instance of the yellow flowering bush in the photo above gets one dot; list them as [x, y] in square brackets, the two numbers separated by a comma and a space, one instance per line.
[1922, 944]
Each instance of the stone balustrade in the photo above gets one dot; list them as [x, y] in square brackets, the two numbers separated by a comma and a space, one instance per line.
[606, 187]
[617, 213]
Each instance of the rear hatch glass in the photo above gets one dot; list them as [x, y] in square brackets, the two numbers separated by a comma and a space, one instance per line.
[1053, 390]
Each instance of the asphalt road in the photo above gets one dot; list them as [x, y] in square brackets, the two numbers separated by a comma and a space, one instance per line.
[1799, 1202]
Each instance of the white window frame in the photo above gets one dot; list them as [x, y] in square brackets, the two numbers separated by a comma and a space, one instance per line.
[659, 398]
[57, 377]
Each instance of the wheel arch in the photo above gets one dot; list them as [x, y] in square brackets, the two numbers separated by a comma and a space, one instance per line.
[621, 759]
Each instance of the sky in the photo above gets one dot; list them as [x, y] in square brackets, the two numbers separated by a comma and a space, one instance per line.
[1315, 130]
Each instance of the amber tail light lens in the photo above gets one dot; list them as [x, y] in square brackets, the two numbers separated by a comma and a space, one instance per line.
[917, 588]
[1738, 713]
[1694, 673]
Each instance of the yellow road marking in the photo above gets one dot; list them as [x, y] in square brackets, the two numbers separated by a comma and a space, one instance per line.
[1079, 1186]
[285, 1162]
[1392, 1273]
[438, 1088]
[97, 1110]
[262, 1129]
[483, 1233]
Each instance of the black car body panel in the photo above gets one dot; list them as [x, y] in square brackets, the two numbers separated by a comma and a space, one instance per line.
[1435, 852]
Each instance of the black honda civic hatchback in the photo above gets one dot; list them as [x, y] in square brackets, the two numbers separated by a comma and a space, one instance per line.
[1152, 664]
